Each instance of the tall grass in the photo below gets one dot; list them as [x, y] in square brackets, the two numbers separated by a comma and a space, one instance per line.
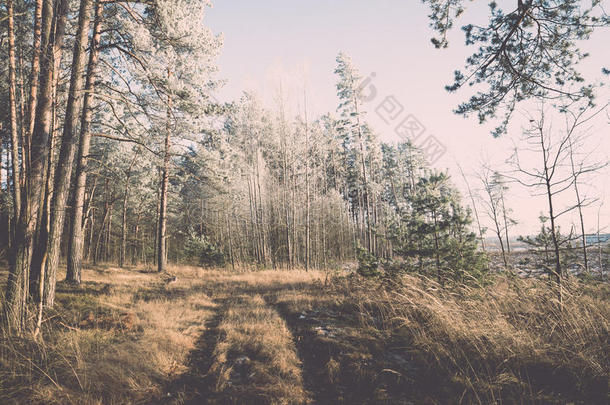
[505, 342]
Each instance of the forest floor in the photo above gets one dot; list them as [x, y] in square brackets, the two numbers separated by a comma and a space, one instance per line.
[296, 337]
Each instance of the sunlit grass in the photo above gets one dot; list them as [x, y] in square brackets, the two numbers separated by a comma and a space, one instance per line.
[106, 347]
[125, 335]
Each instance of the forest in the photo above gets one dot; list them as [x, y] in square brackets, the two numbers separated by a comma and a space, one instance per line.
[266, 253]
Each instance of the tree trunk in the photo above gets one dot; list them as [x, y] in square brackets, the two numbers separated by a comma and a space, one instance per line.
[36, 51]
[13, 111]
[474, 208]
[365, 184]
[108, 233]
[323, 213]
[20, 83]
[260, 211]
[161, 254]
[157, 214]
[21, 255]
[123, 253]
[307, 202]
[77, 232]
[136, 236]
[549, 194]
[96, 252]
[558, 274]
[505, 217]
[39, 255]
[91, 234]
[40, 250]
[437, 252]
[231, 255]
[599, 247]
[286, 213]
[69, 141]
[579, 203]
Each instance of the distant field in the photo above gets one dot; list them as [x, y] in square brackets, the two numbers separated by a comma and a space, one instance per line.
[295, 337]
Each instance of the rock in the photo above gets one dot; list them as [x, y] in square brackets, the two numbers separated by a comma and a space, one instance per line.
[324, 331]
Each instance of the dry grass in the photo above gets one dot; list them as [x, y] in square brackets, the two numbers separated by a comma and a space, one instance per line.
[255, 359]
[290, 337]
[501, 343]
[103, 343]
[248, 356]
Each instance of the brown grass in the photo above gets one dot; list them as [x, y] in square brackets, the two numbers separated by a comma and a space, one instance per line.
[255, 356]
[102, 343]
[290, 337]
[506, 342]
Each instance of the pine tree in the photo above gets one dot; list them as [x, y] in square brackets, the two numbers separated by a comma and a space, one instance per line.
[435, 231]
[542, 246]
[529, 49]
[355, 138]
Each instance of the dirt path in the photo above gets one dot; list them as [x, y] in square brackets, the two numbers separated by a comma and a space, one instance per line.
[343, 363]
[195, 386]
[246, 353]
[277, 342]
[314, 357]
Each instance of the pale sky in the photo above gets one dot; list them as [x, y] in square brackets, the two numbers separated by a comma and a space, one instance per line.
[298, 42]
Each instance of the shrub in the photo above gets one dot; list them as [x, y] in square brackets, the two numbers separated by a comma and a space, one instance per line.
[201, 249]
[368, 264]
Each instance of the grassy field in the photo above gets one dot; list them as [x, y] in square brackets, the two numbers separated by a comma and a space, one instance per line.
[295, 337]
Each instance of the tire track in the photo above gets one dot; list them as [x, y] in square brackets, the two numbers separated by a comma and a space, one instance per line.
[246, 355]
[196, 385]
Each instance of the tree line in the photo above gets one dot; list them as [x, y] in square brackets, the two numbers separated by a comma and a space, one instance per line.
[125, 71]
[115, 150]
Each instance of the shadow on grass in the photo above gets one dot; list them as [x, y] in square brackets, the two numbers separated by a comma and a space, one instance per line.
[343, 364]
[93, 288]
[196, 386]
